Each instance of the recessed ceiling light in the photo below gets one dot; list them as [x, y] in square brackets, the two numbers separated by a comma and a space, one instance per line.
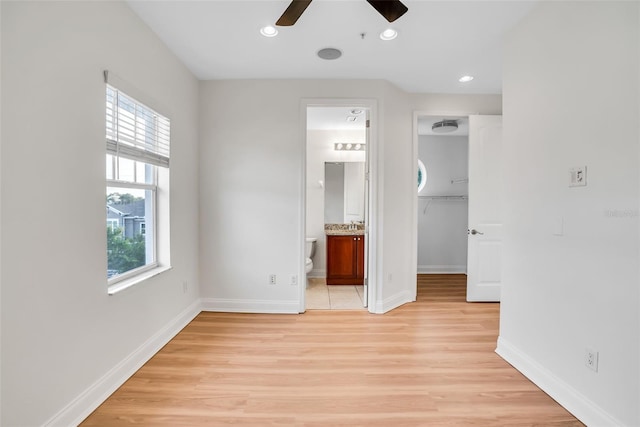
[269, 31]
[465, 79]
[389, 34]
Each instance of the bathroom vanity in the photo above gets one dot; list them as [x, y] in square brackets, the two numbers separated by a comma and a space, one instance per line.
[345, 258]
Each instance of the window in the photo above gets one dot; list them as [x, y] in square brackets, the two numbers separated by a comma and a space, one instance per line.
[113, 223]
[137, 153]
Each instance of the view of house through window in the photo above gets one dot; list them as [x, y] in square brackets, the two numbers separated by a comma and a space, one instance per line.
[137, 147]
[126, 224]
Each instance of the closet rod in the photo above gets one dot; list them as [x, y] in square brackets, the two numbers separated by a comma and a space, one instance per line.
[444, 197]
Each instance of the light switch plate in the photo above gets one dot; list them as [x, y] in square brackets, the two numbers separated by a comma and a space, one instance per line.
[578, 176]
[558, 226]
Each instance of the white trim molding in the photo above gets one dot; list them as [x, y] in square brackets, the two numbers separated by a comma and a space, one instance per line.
[225, 305]
[393, 301]
[83, 405]
[579, 405]
[317, 273]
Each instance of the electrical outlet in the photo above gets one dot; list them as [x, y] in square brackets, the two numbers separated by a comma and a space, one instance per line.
[591, 359]
[272, 279]
[293, 280]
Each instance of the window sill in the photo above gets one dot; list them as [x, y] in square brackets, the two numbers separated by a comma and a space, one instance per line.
[127, 283]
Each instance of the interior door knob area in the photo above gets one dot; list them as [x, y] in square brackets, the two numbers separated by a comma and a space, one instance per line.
[474, 232]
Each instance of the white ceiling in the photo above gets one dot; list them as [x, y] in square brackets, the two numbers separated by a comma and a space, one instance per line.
[334, 118]
[438, 41]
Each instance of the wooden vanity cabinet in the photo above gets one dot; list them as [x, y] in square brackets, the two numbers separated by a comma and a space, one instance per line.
[345, 259]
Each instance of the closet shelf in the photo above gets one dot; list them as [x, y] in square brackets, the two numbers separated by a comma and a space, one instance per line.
[444, 197]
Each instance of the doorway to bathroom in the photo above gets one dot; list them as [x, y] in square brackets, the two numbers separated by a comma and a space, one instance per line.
[338, 206]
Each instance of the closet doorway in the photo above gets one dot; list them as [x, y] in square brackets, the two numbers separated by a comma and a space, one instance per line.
[443, 194]
[458, 206]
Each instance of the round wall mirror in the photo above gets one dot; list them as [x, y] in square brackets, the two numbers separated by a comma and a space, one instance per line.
[422, 175]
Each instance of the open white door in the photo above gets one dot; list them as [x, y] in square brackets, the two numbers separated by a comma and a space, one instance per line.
[484, 255]
[367, 187]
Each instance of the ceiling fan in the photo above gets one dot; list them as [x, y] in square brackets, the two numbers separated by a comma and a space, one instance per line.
[390, 9]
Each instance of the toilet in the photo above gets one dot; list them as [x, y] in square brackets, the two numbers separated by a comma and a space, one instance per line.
[309, 249]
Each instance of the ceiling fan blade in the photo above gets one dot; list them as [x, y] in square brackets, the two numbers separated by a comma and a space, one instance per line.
[293, 12]
[390, 9]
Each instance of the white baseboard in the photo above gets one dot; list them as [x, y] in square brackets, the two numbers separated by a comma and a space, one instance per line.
[393, 301]
[442, 269]
[317, 273]
[573, 401]
[250, 306]
[83, 405]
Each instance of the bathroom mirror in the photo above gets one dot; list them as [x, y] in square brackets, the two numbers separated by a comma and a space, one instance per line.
[343, 192]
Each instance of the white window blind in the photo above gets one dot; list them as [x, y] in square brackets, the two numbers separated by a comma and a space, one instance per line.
[135, 131]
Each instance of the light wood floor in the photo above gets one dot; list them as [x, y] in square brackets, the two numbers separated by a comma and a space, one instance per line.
[430, 363]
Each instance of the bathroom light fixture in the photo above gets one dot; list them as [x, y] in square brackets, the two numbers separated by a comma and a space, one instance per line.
[444, 126]
[388, 34]
[269, 31]
[465, 79]
[338, 146]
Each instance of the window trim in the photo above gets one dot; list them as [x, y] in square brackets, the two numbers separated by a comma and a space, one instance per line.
[142, 274]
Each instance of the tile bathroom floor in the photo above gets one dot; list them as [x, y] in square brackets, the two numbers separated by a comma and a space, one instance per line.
[319, 296]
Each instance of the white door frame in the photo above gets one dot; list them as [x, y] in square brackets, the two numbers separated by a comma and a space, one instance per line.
[375, 211]
[414, 165]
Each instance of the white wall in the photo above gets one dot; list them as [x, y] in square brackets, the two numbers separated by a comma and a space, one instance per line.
[320, 150]
[571, 68]
[442, 224]
[252, 185]
[61, 333]
[251, 177]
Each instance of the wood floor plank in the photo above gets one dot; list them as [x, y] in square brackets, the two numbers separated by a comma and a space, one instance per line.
[429, 363]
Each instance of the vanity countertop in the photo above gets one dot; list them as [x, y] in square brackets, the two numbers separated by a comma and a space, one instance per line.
[344, 232]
